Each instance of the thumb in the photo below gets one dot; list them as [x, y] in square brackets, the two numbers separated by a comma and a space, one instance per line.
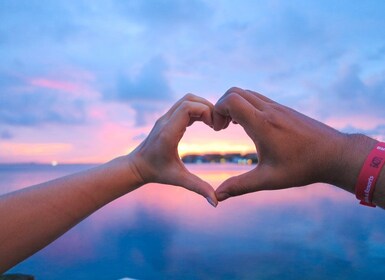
[251, 181]
[194, 183]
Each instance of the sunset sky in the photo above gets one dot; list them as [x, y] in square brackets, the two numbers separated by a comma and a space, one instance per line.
[84, 81]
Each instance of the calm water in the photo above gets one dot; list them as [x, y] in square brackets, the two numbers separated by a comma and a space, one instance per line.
[164, 232]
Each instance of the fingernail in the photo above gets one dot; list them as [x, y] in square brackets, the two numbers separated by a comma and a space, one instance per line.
[209, 200]
[222, 196]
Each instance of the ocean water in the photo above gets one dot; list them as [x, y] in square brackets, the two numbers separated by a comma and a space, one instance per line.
[165, 232]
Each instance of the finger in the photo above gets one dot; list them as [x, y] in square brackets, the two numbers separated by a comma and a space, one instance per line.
[260, 96]
[256, 99]
[252, 181]
[193, 183]
[191, 111]
[188, 97]
[220, 121]
[223, 121]
[229, 99]
[237, 108]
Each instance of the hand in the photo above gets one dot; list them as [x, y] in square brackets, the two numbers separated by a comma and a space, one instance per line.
[157, 159]
[293, 149]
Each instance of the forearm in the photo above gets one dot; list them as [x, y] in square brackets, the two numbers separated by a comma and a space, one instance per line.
[33, 217]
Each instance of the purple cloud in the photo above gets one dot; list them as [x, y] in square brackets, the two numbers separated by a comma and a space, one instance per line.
[24, 105]
[6, 135]
[353, 92]
[148, 93]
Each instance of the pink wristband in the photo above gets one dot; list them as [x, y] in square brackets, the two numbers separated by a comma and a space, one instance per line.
[369, 174]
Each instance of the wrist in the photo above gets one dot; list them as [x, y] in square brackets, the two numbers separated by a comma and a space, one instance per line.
[346, 167]
[121, 176]
[130, 162]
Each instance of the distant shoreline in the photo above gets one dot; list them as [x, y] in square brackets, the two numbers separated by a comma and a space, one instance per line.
[12, 166]
[43, 163]
[217, 158]
[237, 158]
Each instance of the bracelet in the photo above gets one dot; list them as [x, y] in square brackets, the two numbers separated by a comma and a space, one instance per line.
[369, 174]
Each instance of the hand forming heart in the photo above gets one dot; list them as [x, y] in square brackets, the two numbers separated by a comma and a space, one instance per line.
[157, 156]
[294, 150]
[288, 143]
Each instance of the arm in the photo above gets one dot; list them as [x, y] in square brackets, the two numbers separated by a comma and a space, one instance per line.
[294, 150]
[35, 216]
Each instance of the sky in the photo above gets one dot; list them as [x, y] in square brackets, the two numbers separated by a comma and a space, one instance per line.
[84, 81]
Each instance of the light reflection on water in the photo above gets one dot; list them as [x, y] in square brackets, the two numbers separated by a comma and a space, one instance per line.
[164, 232]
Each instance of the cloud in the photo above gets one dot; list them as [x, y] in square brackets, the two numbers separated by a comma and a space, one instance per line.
[377, 132]
[25, 104]
[378, 54]
[150, 84]
[24, 21]
[6, 135]
[148, 93]
[350, 99]
[291, 52]
[34, 149]
[160, 14]
[353, 93]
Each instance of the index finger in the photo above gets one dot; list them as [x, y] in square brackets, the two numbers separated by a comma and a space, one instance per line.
[188, 97]
[237, 108]
[256, 99]
[188, 111]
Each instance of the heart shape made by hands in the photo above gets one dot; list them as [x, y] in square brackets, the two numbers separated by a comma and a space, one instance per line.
[201, 144]
[293, 149]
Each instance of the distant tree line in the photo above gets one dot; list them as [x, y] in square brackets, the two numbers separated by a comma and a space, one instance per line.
[249, 158]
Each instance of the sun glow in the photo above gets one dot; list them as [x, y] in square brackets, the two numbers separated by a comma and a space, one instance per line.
[34, 149]
[201, 139]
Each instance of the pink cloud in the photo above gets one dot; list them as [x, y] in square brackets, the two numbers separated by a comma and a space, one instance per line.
[359, 121]
[34, 149]
[54, 84]
[76, 89]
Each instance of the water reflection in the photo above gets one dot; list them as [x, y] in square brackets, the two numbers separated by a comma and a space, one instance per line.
[164, 232]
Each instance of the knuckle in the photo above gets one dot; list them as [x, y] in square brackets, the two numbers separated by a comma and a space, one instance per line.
[277, 107]
[232, 97]
[160, 121]
[272, 116]
[189, 96]
[268, 116]
[185, 105]
[234, 89]
[163, 135]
